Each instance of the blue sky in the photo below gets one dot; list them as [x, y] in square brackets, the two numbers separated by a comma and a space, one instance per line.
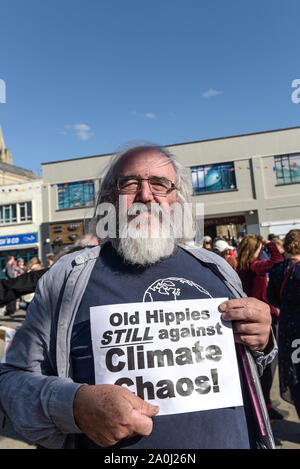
[86, 76]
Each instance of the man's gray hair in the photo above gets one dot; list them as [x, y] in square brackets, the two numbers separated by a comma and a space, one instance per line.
[107, 188]
[108, 194]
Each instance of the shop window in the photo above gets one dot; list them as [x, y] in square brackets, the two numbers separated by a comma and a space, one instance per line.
[75, 194]
[287, 168]
[213, 178]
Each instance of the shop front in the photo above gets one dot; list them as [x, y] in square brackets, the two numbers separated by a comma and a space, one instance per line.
[22, 245]
[231, 227]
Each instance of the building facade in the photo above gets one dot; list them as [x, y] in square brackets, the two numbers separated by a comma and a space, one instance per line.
[247, 184]
[20, 210]
[20, 221]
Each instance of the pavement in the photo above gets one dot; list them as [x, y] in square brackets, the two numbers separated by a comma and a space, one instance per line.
[286, 432]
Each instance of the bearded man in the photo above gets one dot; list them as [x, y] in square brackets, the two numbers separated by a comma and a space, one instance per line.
[47, 385]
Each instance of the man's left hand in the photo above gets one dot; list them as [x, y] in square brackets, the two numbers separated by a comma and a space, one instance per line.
[251, 321]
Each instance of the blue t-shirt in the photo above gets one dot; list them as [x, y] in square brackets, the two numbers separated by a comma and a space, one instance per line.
[180, 277]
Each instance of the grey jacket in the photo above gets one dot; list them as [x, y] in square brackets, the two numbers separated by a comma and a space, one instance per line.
[36, 386]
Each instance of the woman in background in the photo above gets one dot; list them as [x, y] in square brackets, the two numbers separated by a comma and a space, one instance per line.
[224, 250]
[33, 265]
[252, 271]
[284, 293]
[20, 267]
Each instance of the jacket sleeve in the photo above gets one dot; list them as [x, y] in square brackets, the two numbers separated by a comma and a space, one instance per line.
[264, 266]
[37, 401]
[13, 288]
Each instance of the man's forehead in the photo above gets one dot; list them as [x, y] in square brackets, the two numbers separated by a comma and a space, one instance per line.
[143, 160]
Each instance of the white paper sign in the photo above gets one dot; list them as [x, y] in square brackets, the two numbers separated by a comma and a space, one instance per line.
[179, 355]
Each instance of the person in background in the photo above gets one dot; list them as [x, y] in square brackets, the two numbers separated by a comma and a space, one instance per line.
[14, 288]
[284, 293]
[280, 245]
[9, 270]
[232, 250]
[239, 239]
[20, 267]
[87, 240]
[207, 243]
[252, 270]
[33, 265]
[10, 273]
[50, 259]
[222, 248]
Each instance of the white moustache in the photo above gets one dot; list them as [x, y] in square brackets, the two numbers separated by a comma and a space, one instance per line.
[152, 209]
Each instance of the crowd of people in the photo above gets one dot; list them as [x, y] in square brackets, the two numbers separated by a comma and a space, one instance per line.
[15, 268]
[270, 271]
[18, 286]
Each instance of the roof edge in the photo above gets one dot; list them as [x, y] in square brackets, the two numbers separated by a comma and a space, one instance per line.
[181, 143]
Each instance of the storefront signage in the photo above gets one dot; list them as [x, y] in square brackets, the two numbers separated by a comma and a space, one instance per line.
[235, 219]
[15, 240]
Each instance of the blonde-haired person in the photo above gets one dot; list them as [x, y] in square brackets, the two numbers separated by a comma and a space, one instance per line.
[284, 292]
[32, 265]
[253, 271]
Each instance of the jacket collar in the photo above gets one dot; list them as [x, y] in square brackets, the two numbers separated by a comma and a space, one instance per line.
[87, 254]
[94, 251]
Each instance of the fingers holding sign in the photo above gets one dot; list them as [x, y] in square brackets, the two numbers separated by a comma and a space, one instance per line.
[107, 413]
[251, 321]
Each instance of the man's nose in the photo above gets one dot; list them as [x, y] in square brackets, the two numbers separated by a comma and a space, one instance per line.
[144, 194]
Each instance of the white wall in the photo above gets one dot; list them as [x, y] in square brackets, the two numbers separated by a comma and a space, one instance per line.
[26, 192]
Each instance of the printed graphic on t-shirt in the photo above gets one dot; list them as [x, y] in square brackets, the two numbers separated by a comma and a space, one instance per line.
[173, 288]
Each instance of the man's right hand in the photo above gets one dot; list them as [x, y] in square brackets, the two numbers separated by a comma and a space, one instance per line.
[107, 413]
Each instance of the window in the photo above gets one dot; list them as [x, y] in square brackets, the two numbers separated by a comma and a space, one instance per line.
[15, 213]
[213, 178]
[75, 194]
[8, 214]
[287, 168]
[25, 211]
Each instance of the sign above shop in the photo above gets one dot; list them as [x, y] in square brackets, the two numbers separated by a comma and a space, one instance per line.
[235, 219]
[16, 240]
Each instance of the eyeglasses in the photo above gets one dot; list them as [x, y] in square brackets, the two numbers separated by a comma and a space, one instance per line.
[157, 185]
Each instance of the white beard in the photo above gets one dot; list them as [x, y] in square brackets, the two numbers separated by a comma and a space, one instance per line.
[147, 245]
[143, 251]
